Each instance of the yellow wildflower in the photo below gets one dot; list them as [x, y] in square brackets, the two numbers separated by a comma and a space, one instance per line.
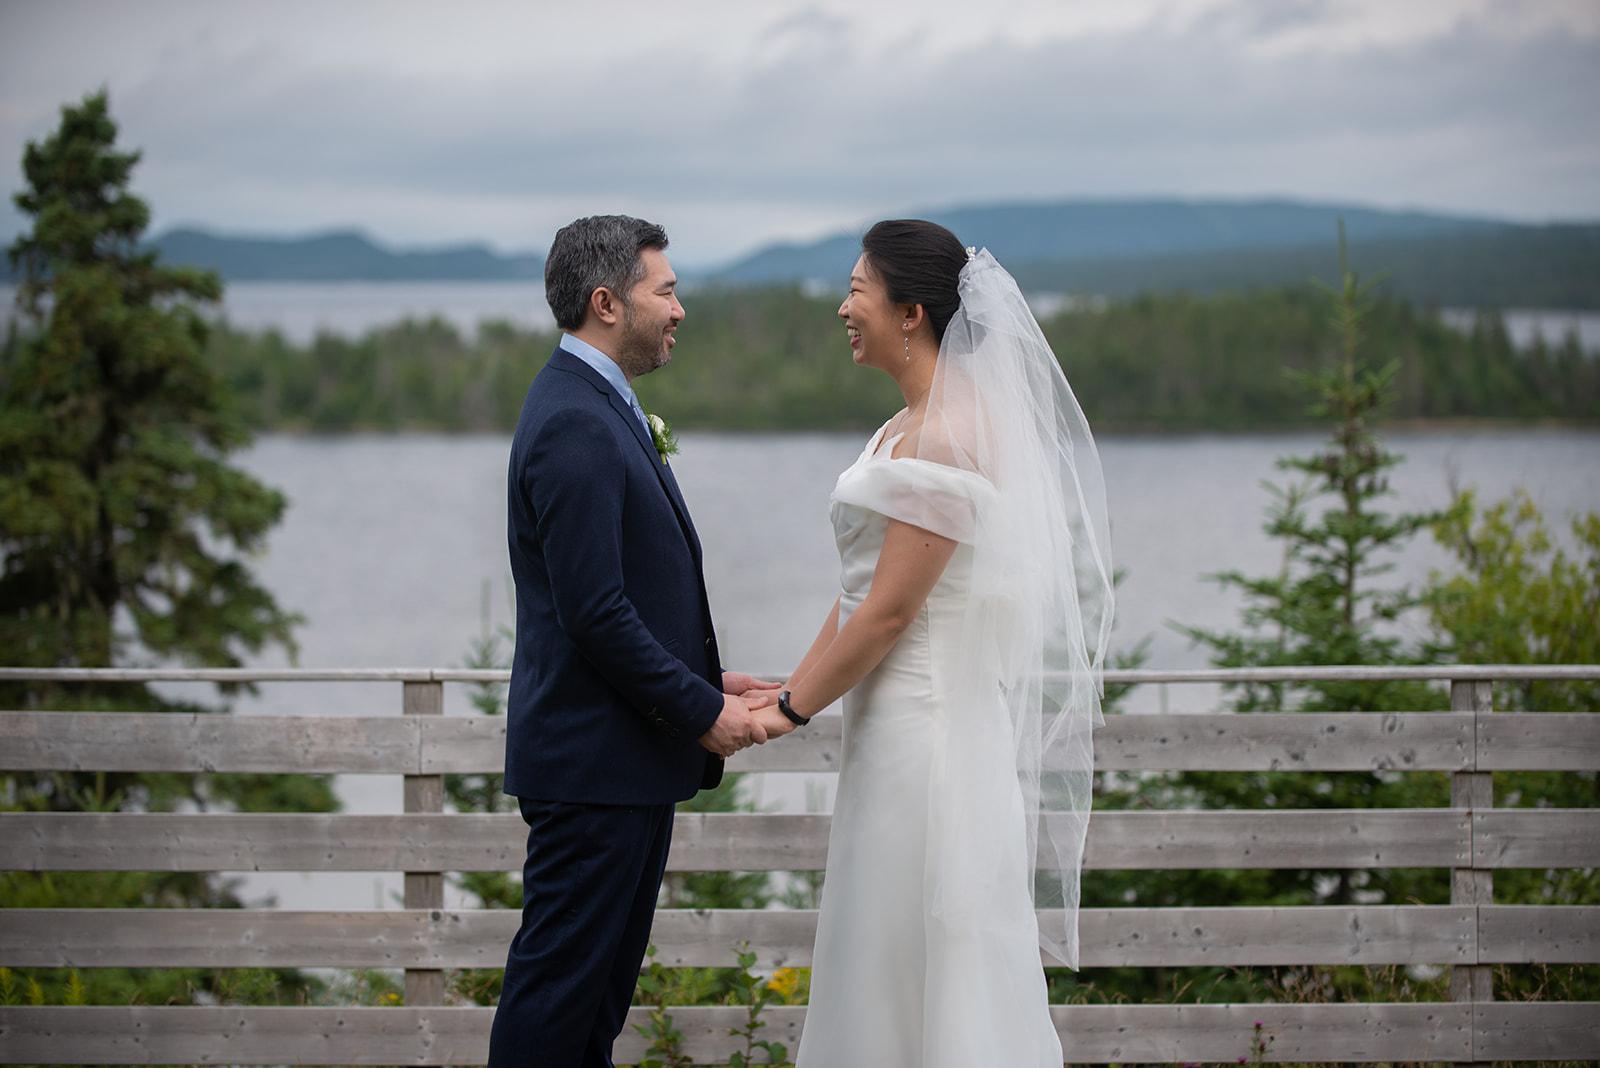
[785, 982]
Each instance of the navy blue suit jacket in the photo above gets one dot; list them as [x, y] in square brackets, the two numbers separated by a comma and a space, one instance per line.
[615, 674]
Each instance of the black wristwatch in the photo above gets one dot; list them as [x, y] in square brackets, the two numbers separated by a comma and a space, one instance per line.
[783, 706]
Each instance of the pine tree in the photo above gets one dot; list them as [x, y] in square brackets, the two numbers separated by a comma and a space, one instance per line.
[1321, 606]
[123, 529]
[114, 489]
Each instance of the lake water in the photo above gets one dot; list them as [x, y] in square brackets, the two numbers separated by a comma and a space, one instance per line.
[391, 543]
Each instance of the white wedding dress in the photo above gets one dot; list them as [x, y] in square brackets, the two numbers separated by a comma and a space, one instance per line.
[895, 983]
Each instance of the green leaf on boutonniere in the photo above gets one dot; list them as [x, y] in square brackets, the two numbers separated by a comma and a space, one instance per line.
[666, 442]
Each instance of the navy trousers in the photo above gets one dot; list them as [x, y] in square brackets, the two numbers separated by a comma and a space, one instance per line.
[589, 890]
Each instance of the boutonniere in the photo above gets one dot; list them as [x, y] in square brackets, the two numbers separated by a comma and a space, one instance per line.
[666, 442]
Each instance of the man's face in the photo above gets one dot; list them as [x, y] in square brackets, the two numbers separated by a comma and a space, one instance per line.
[650, 317]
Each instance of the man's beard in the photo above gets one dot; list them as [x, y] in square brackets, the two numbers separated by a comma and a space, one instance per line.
[640, 350]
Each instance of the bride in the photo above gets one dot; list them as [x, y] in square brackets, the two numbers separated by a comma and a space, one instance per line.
[968, 643]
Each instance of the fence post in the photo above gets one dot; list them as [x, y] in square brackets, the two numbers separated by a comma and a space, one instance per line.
[1472, 790]
[424, 889]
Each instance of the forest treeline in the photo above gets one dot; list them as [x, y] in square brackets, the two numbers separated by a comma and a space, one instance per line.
[762, 359]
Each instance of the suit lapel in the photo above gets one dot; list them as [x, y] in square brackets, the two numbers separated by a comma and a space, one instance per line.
[669, 484]
[663, 472]
[683, 507]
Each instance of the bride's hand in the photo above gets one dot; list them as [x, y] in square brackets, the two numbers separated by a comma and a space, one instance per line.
[773, 721]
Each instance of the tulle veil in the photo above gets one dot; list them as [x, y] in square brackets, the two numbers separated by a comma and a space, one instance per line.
[1013, 785]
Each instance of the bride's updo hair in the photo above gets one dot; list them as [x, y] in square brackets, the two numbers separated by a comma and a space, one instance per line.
[920, 263]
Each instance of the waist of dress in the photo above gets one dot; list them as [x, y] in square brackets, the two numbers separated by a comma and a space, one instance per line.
[910, 666]
[941, 607]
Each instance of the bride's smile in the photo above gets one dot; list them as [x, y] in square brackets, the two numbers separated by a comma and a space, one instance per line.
[870, 320]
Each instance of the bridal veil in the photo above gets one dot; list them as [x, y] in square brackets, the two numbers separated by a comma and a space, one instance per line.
[1013, 782]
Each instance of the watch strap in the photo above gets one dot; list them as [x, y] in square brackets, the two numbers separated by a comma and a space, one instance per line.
[783, 706]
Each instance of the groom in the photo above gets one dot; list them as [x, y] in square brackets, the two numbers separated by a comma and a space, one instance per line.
[618, 706]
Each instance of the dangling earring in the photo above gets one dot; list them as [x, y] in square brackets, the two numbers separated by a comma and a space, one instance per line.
[908, 343]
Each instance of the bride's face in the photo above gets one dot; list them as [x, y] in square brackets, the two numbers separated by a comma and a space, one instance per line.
[870, 320]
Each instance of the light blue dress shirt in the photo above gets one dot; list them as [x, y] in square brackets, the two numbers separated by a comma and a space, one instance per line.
[608, 370]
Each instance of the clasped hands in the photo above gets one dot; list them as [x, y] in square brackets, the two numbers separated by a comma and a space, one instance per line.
[750, 715]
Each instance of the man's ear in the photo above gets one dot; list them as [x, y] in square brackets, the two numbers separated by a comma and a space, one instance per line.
[604, 306]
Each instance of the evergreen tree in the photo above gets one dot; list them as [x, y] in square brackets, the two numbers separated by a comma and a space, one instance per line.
[122, 526]
[115, 490]
[1321, 606]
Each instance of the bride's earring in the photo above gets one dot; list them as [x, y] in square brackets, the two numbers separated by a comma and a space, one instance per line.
[908, 342]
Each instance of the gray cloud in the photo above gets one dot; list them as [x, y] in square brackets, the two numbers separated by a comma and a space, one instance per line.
[735, 128]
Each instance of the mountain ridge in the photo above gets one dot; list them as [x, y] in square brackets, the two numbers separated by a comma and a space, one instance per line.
[345, 254]
[1107, 246]
[1118, 228]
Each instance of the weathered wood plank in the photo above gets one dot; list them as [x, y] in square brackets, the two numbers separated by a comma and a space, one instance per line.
[424, 794]
[1148, 676]
[1539, 741]
[259, 842]
[391, 674]
[1129, 840]
[712, 842]
[1481, 672]
[240, 1035]
[1189, 937]
[1172, 1034]
[1536, 838]
[1342, 741]
[254, 938]
[1322, 741]
[81, 841]
[1470, 790]
[1351, 1033]
[454, 745]
[1287, 838]
[1350, 673]
[155, 741]
[1344, 673]
[1549, 934]
[437, 938]
[1536, 1031]
[476, 744]
[89, 741]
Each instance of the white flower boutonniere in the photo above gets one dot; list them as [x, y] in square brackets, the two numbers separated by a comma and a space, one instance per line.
[666, 442]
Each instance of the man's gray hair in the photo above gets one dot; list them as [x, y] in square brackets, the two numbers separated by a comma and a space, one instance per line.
[601, 251]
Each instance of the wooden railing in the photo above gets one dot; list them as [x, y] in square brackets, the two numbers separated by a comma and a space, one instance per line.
[1471, 838]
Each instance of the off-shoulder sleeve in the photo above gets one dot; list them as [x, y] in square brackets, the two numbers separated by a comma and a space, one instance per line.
[946, 500]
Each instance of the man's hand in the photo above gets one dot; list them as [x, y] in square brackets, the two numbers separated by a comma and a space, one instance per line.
[758, 693]
[736, 728]
[774, 721]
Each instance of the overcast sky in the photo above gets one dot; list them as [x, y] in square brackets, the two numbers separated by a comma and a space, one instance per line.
[736, 122]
